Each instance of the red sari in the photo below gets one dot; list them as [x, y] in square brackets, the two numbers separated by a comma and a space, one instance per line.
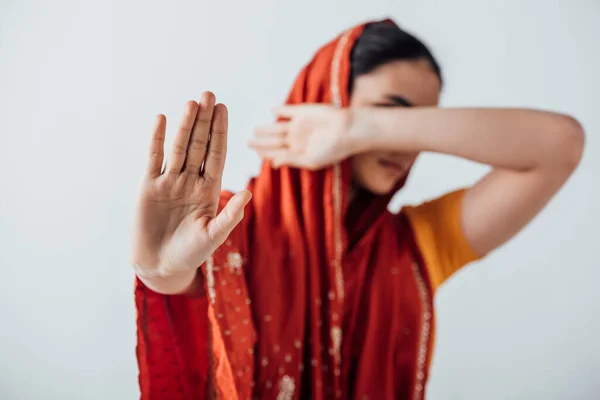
[306, 299]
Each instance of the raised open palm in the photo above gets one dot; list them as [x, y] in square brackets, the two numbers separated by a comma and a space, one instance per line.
[177, 227]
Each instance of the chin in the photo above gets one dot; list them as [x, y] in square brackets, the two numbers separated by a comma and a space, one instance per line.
[383, 192]
[381, 189]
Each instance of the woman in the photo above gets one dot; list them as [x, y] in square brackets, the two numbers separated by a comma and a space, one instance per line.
[311, 288]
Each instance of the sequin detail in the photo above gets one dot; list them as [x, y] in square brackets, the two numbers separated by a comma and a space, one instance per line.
[287, 387]
[235, 262]
[336, 340]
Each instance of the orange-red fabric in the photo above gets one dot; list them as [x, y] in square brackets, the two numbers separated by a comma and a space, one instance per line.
[303, 300]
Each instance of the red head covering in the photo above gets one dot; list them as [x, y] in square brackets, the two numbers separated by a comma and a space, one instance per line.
[294, 311]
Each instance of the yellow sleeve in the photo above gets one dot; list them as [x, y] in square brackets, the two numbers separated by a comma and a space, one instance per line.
[439, 235]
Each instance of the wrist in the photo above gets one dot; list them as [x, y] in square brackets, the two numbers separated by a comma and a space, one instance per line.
[171, 284]
[165, 280]
[360, 130]
[383, 128]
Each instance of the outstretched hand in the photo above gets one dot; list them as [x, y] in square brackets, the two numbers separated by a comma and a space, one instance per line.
[310, 136]
[177, 227]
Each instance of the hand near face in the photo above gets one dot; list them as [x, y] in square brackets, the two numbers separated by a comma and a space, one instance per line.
[308, 136]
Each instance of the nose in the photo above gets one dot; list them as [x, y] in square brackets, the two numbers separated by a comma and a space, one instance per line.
[398, 157]
[404, 159]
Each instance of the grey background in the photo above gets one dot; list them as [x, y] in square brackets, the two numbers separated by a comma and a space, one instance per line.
[81, 81]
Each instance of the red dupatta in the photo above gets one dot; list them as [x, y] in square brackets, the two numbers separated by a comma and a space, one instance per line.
[290, 310]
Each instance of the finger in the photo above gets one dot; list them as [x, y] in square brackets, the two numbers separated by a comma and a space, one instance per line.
[293, 110]
[278, 158]
[268, 143]
[157, 146]
[278, 129]
[217, 146]
[199, 139]
[276, 154]
[221, 226]
[182, 138]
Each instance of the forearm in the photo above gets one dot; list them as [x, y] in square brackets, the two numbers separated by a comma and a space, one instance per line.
[506, 138]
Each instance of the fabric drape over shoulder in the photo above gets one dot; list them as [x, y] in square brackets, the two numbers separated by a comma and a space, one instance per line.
[301, 301]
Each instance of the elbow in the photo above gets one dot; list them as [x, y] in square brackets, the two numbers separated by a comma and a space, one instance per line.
[570, 144]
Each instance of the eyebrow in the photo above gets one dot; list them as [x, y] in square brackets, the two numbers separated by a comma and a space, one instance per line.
[396, 101]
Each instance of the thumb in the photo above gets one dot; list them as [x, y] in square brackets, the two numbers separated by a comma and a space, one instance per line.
[221, 226]
[280, 158]
[285, 111]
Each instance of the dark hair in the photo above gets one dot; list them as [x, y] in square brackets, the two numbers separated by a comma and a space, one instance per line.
[383, 42]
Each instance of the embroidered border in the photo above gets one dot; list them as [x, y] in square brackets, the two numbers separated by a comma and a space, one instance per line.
[424, 337]
[210, 279]
[336, 331]
[337, 169]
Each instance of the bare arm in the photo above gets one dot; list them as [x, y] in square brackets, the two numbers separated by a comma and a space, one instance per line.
[532, 154]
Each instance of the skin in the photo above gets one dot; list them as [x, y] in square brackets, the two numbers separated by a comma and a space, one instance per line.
[532, 153]
[177, 227]
[396, 84]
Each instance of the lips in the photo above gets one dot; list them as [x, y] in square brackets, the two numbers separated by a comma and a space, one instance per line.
[390, 165]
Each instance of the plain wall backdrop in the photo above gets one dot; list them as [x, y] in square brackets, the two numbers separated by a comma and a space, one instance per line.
[81, 81]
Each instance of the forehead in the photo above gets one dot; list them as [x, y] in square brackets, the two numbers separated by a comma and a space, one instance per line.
[412, 80]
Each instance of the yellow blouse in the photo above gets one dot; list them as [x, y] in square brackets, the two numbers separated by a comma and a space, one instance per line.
[440, 237]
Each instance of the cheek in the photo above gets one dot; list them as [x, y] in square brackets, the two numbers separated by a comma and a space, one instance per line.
[361, 165]
[409, 161]
[368, 174]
